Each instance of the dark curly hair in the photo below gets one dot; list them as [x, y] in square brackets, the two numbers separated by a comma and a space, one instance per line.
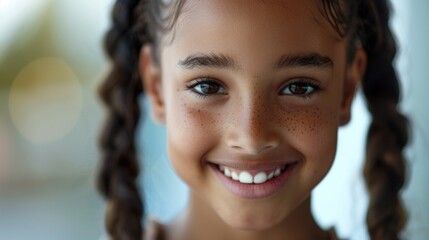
[363, 22]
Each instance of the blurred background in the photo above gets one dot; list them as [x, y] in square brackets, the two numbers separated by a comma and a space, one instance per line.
[51, 62]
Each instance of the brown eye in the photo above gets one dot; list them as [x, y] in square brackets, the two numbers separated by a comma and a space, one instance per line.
[207, 87]
[300, 89]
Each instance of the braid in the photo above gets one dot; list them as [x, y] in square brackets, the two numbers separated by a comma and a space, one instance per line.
[385, 166]
[134, 24]
[119, 166]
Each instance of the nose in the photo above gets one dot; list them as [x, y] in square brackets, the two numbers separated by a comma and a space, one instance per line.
[253, 130]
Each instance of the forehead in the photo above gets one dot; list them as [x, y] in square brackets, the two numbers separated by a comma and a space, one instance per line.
[258, 25]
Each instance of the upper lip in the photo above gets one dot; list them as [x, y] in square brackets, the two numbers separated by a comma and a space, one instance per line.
[252, 165]
[263, 162]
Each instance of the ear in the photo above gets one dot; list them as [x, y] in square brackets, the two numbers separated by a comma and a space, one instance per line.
[353, 77]
[150, 74]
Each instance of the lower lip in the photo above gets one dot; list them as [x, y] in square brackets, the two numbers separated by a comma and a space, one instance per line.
[254, 191]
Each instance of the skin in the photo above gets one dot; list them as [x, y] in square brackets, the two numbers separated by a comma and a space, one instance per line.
[251, 119]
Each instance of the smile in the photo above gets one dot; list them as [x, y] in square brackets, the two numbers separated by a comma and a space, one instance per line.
[254, 182]
[249, 177]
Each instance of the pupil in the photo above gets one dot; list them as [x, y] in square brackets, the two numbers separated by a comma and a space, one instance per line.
[208, 88]
[298, 89]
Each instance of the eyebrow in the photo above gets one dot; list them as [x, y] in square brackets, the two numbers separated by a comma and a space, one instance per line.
[310, 60]
[207, 60]
[212, 60]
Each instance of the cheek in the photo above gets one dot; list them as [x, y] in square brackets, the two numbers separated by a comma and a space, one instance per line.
[313, 132]
[190, 133]
[313, 127]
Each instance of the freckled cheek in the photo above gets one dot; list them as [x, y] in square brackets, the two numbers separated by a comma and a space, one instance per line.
[313, 131]
[191, 133]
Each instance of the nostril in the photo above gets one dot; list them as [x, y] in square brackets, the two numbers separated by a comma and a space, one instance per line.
[254, 149]
[252, 144]
[267, 147]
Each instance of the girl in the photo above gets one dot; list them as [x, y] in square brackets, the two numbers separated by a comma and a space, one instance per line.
[252, 94]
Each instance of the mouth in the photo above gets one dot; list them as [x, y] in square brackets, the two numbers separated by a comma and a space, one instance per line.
[254, 182]
[255, 176]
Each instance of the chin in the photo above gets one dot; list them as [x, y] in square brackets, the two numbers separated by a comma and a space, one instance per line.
[251, 222]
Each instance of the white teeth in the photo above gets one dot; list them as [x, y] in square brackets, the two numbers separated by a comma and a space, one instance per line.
[234, 176]
[260, 178]
[227, 172]
[277, 172]
[245, 177]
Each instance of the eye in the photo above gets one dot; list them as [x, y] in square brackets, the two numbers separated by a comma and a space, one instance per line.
[206, 86]
[300, 88]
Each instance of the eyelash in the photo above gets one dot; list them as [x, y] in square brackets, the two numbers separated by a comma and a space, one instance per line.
[314, 85]
[303, 82]
[206, 80]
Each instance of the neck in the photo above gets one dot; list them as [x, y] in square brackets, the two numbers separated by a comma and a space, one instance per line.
[199, 221]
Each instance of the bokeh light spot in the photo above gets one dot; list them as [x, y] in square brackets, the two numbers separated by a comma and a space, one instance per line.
[45, 100]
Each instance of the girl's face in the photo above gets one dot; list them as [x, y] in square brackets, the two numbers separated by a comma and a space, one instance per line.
[247, 88]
